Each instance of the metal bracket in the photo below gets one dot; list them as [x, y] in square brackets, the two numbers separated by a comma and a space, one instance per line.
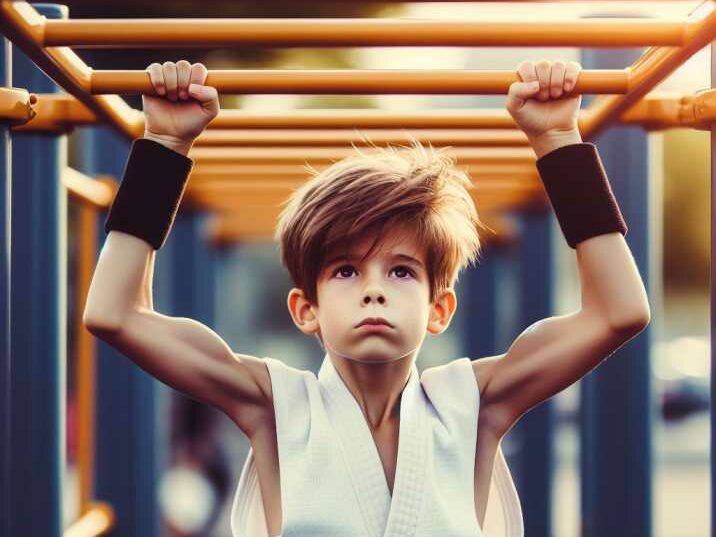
[16, 105]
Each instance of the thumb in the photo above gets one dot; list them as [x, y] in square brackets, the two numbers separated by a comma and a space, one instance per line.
[206, 95]
[519, 92]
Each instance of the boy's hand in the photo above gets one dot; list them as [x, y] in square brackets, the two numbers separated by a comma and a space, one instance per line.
[183, 107]
[546, 111]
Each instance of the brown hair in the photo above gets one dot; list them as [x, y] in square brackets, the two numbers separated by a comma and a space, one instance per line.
[415, 187]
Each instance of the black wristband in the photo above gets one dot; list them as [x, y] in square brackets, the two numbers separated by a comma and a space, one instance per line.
[148, 197]
[579, 191]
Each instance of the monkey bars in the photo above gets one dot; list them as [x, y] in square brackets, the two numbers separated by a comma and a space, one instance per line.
[254, 169]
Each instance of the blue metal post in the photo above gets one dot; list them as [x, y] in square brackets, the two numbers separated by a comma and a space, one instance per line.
[193, 268]
[532, 462]
[615, 441]
[478, 313]
[129, 435]
[38, 298]
[5, 356]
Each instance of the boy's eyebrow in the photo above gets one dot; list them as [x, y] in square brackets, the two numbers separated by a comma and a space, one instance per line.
[351, 257]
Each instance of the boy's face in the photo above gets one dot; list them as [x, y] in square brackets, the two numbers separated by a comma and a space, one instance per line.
[391, 284]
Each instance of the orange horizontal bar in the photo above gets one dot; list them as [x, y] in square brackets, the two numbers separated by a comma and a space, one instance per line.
[655, 111]
[94, 192]
[58, 113]
[270, 172]
[355, 81]
[22, 24]
[241, 197]
[344, 137]
[97, 521]
[246, 155]
[123, 33]
[651, 68]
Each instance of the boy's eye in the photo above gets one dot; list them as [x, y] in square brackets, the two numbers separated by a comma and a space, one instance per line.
[345, 270]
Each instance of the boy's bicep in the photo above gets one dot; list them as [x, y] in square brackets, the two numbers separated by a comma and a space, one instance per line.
[191, 358]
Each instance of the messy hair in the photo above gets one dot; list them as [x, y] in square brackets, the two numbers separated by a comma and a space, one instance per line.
[416, 188]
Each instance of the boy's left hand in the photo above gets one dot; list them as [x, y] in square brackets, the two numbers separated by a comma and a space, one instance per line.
[547, 109]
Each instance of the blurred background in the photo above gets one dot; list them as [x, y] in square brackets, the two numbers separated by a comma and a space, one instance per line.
[205, 450]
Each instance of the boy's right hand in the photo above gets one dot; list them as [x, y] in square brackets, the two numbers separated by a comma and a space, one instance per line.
[183, 107]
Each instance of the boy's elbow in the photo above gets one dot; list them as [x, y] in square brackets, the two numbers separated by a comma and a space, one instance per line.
[632, 324]
[100, 325]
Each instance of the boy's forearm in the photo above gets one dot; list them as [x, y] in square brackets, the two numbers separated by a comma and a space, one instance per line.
[121, 283]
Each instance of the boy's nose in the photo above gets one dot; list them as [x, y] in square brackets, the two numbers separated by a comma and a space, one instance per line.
[373, 295]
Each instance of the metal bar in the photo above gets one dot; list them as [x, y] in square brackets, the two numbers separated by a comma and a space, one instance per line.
[354, 81]
[39, 317]
[651, 68]
[20, 23]
[245, 155]
[85, 357]
[344, 137]
[97, 520]
[655, 111]
[94, 193]
[712, 310]
[16, 105]
[5, 315]
[266, 172]
[327, 32]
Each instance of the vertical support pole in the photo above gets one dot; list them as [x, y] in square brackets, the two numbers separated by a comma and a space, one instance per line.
[532, 462]
[479, 310]
[712, 279]
[38, 298]
[128, 434]
[615, 421]
[5, 356]
[194, 272]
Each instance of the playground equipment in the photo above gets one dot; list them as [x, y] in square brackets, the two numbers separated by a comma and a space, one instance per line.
[247, 162]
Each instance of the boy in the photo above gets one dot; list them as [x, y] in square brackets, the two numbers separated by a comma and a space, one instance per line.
[374, 245]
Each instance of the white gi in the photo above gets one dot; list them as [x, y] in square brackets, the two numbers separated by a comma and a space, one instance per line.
[332, 480]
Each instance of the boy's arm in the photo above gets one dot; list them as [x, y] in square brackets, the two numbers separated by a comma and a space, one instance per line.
[180, 352]
[555, 352]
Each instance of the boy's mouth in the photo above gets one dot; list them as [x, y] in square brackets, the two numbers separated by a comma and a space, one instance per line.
[374, 321]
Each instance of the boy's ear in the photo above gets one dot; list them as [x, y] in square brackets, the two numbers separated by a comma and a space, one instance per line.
[441, 311]
[302, 312]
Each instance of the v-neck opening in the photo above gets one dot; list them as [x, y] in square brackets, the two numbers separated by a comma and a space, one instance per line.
[370, 483]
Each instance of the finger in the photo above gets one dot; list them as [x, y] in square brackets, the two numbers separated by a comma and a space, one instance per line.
[556, 81]
[170, 77]
[198, 74]
[156, 76]
[207, 96]
[571, 75]
[543, 68]
[183, 74]
[527, 71]
[519, 92]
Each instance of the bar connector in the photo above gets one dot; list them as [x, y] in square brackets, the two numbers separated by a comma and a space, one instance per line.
[17, 105]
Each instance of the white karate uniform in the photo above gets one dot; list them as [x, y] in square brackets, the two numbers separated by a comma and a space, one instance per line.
[332, 480]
